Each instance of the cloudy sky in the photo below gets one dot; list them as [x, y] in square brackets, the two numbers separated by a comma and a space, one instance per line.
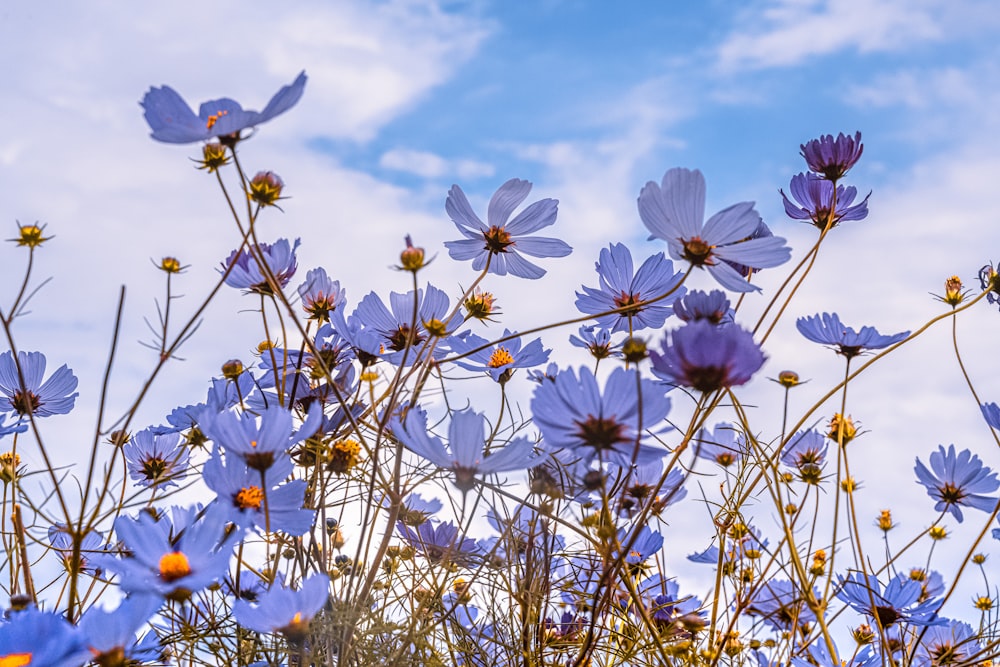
[589, 100]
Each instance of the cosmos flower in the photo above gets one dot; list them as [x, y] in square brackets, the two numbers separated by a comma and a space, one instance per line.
[678, 616]
[723, 445]
[414, 509]
[826, 329]
[285, 610]
[464, 455]
[55, 396]
[246, 273]
[499, 359]
[957, 479]
[621, 286]
[597, 341]
[173, 121]
[260, 446]
[501, 242]
[832, 158]
[641, 542]
[743, 542]
[698, 305]
[642, 481]
[41, 639]
[782, 605]
[111, 635]
[674, 211]
[441, 544]
[156, 460]
[92, 543]
[991, 413]
[707, 358]
[320, 295]
[989, 279]
[806, 451]
[900, 601]
[953, 643]
[814, 196]
[573, 414]
[394, 328]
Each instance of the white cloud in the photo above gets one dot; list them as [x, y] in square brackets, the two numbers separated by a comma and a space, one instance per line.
[431, 165]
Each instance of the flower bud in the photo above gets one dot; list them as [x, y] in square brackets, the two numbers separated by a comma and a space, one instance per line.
[232, 369]
[788, 379]
[30, 235]
[412, 258]
[170, 265]
[480, 306]
[634, 350]
[265, 188]
[213, 156]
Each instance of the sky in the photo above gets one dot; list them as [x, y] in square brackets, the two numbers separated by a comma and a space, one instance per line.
[588, 100]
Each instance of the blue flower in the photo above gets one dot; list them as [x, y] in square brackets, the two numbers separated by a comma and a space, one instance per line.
[621, 287]
[724, 445]
[55, 396]
[641, 542]
[173, 121]
[900, 601]
[596, 341]
[172, 567]
[832, 158]
[285, 610]
[707, 358]
[698, 305]
[827, 329]
[91, 544]
[991, 413]
[259, 446]
[464, 455]
[675, 210]
[245, 271]
[958, 479]
[806, 451]
[954, 643]
[574, 415]
[499, 359]
[814, 196]
[414, 509]
[394, 328]
[501, 243]
[111, 635]
[678, 616]
[646, 486]
[41, 639]
[156, 460]
[782, 605]
[320, 295]
[258, 499]
[989, 279]
[441, 544]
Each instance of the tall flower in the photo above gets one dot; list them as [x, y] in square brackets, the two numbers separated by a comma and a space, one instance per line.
[173, 121]
[832, 158]
[901, 600]
[498, 359]
[674, 211]
[827, 329]
[814, 196]
[501, 242]
[156, 460]
[245, 271]
[464, 455]
[394, 329]
[623, 287]
[956, 479]
[707, 358]
[573, 414]
[55, 396]
[697, 305]
[263, 445]
[285, 610]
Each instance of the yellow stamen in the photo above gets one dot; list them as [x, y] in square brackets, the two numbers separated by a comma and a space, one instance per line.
[249, 498]
[500, 357]
[15, 659]
[174, 566]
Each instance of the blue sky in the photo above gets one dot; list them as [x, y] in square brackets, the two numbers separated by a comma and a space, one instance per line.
[589, 100]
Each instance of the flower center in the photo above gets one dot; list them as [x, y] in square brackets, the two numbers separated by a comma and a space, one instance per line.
[697, 251]
[15, 659]
[628, 300]
[497, 239]
[500, 357]
[886, 615]
[25, 402]
[400, 337]
[601, 433]
[174, 566]
[249, 498]
[153, 468]
[951, 493]
[707, 378]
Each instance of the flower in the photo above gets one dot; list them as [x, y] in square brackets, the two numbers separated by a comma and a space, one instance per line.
[782, 605]
[832, 158]
[442, 544]
[954, 643]
[464, 455]
[707, 358]
[172, 568]
[111, 635]
[285, 610]
[622, 287]
[724, 445]
[414, 509]
[265, 188]
[498, 359]
[259, 446]
[641, 544]
[61, 541]
[392, 330]
[899, 601]
[56, 396]
[697, 305]
[674, 211]
[596, 341]
[643, 481]
[500, 244]
[156, 460]
[320, 295]
[958, 479]
[991, 413]
[989, 279]
[243, 271]
[573, 414]
[173, 121]
[806, 451]
[815, 201]
[826, 329]
[40, 639]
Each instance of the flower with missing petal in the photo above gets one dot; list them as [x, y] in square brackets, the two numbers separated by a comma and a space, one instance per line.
[173, 121]
[674, 210]
[55, 396]
[958, 479]
[814, 196]
[827, 329]
[500, 243]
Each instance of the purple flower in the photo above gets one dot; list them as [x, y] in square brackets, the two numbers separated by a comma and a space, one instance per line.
[41, 639]
[464, 456]
[724, 445]
[173, 121]
[320, 295]
[675, 212]
[156, 460]
[900, 601]
[498, 359]
[596, 341]
[991, 413]
[91, 544]
[832, 158]
[622, 287]
[707, 358]
[697, 305]
[827, 329]
[955, 643]
[501, 243]
[989, 279]
[958, 479]
[285, 610]
[442, 544]
[806, 451]
[574, 415]
[641, 544]
[111, 635]
[394, 328]
[55, 396]
[259, 446]
[782, 605]
[246, 272]
[642, 482]
[815, 202]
